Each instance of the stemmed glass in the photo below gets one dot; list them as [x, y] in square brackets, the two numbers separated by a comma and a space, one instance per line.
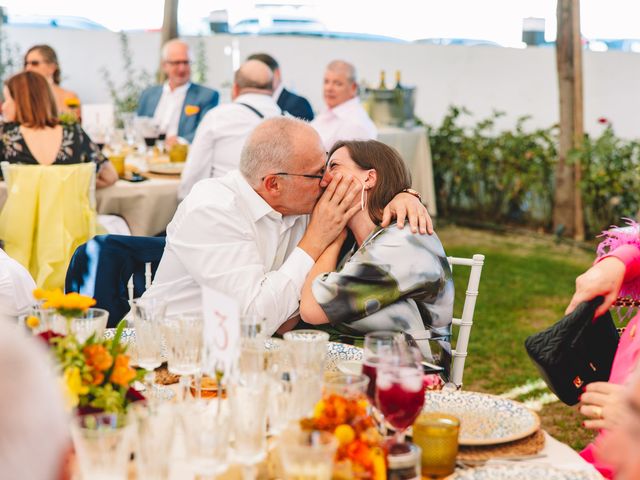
[400, 391]
[183, 334]
[147, 316]
[378, 345]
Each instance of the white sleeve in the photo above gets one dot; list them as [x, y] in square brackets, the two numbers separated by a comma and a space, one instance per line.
[16, 289]
[221, 251]
[200, 157]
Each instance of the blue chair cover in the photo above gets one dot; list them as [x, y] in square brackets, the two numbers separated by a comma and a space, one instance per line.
[101, 269]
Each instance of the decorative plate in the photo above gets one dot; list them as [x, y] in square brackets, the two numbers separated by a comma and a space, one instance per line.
[484, 419]
[166, 168]
[337, 352]
[129, 336]
[524, 471]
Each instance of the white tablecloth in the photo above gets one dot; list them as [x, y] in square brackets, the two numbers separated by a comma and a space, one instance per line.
[147, 206]
[413, 146]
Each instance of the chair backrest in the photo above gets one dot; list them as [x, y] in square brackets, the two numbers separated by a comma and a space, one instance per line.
[104, 266]
[49, 212]
[465, 322]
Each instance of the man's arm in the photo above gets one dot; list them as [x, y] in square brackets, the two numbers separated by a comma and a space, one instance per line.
[406, 206]
[200, 157]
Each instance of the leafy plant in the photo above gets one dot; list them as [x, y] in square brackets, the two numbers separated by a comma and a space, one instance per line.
[126, 96]
[200, 68]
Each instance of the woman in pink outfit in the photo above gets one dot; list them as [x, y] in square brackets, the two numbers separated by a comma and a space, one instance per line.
[615, 273]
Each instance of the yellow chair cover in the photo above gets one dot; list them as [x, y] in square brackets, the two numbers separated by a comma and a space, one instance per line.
[49, 212]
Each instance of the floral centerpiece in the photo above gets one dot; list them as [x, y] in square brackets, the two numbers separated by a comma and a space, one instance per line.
[96, 375]
[359, 454]
[73, 115]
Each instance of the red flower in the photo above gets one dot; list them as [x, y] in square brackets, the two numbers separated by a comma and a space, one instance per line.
[603, 120]
[48, 335]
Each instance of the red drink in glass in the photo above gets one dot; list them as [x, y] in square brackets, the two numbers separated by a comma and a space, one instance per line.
[369, 368]
[400, 395]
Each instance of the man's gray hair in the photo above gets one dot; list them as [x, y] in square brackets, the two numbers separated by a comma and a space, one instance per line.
[348, 68]
[270, 148]
[167, 46]
[34, 437]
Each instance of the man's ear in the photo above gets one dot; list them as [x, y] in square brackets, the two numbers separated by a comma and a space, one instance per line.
[272, 185]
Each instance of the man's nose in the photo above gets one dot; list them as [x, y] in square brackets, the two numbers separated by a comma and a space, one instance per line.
[326, 179]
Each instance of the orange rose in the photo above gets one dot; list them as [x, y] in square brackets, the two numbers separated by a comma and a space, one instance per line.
[98, 378]
[122, 373]
[190, 110]
[98, 357]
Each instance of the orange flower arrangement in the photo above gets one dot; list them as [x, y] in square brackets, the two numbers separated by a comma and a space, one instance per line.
[359, 454]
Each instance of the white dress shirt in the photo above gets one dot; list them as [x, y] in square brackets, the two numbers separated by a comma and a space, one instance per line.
[347, 121]
[16, 289]
[219, 139]
[169, 109]
[225, 236]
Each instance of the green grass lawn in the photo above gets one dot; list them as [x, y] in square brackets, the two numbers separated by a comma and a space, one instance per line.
[527, 282]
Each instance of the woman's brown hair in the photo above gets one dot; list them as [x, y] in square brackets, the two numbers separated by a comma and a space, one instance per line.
[393, 175]
[49, 55]
[34, 101]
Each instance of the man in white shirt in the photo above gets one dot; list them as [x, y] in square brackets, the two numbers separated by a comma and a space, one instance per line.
[345, 118]
[219, 139]
[248, 234]
[16, 289]
[178, 106]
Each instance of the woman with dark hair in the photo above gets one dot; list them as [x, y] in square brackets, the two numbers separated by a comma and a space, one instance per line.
[32, 133]
[393, 279]
[42, 59]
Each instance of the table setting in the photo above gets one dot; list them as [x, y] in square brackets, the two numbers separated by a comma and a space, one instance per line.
[192, 396]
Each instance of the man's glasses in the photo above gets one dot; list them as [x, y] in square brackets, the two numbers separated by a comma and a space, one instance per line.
[305, 175]
[175, 63]
[33, 63]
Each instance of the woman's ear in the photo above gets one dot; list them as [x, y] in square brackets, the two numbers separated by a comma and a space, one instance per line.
[372, 179]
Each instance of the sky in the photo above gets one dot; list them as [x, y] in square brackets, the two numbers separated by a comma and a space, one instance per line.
[496, 20]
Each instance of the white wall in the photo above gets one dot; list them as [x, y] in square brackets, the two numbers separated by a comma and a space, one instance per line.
[483, 79]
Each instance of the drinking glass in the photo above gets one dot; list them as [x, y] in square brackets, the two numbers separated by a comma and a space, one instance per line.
[377, 345]
[309, 349]
[147, 315]
[307, 454]
[346, 385]
[93, 321]
[155, 428]
[279, 370]
[247, 392]
[400, 393]
[207, 433]
[103, 445]
[437, 436]
[183, 334]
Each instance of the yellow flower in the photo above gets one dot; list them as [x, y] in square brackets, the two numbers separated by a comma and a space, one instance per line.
[75, 301]
[73, 386]
[345, 434]
[32, 322]
[72, 102]
[39, 294]
[190, 110]
[53, 298]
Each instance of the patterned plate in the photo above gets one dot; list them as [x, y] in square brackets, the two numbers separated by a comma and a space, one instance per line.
[129, 337]
[484, 419]
[166, 168]
[522, 471]
[338, 352]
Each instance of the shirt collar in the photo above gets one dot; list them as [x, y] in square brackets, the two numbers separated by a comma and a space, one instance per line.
[278, 92]
[257, 205]
[181, 89]
[345, 108]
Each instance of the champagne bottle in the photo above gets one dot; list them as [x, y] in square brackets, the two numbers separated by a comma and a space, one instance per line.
[398, 84]
[382, 85]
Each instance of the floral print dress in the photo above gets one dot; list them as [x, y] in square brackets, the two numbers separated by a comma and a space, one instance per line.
[76, 146]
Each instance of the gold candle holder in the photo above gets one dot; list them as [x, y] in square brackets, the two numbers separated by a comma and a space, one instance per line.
[437, 436]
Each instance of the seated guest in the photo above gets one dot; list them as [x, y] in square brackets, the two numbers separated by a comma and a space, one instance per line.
[345, 118]
[218, 142]
[289, 102]
[393, 280]
[33, 424]
[16, 289]
[42, 59]
[615, 273]
[33, 135]
[248, 234]
[178, 106]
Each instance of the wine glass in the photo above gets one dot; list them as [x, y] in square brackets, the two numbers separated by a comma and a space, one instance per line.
[400, 392]
[377, 345]
[147, 315]
[183, 334]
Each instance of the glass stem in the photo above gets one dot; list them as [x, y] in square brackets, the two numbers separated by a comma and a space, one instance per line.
[185, 380]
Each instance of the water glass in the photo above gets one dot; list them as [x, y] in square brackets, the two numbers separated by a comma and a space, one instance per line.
[103, 445]
[437, 436]
[155, 429]
[207, 434]
[183, 334]
[279, 370]
[348, 386]
[147, 315]
[249, 417]
[93, 321]
[307, 454]
[309, 349]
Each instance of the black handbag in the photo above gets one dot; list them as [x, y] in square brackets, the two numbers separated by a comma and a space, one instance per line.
[575, 351]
